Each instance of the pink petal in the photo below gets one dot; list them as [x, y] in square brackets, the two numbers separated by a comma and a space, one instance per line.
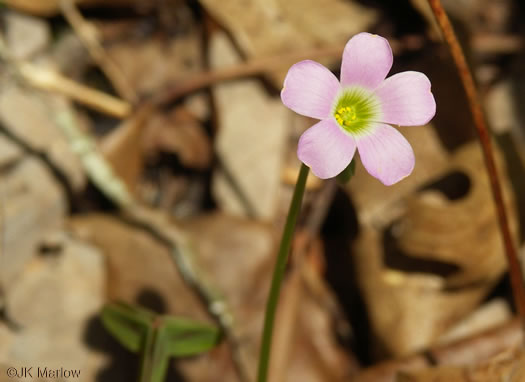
[326, 149]
[406, 99]
[367, 59]
[310, 89]
[386, 154]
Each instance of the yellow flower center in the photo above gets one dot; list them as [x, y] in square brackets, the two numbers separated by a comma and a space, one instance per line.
[345, 115]
[356, 109]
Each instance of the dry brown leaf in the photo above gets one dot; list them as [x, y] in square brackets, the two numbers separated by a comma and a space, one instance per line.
[123, 148]
[433, 262]
[180, 133]
[265, 28]
[137, 263]
[494, 313]
[501, 109]
[70, 56]
[504, 367]
[26, 36]
[53, 300]
[376, 203]
[51, 7]
[238, 255]
[163, 59]
[469, 351]
[10, 153]
[33, 204]
[250, 141]
[32, 117]
[462, 230]
[300, 312]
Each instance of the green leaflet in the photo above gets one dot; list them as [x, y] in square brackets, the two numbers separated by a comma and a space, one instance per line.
[185, 337]
[157, 337]
[128, 324]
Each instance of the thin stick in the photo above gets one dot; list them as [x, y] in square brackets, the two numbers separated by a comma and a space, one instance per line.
[516, 275]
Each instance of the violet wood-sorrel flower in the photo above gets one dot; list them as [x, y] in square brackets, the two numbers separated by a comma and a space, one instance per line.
[355, 113]
[358, 111]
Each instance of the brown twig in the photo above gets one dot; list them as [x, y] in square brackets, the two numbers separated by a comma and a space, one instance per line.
[252, 67]
[516, 275]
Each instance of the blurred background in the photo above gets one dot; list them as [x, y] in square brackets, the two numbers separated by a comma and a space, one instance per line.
[146, 157]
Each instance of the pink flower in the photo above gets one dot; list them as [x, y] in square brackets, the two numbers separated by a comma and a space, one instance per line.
[358, 111]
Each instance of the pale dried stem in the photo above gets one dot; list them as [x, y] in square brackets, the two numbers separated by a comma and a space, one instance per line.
[49, 80]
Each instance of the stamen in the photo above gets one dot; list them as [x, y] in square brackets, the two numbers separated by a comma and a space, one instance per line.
[345, 115]
[355, 109]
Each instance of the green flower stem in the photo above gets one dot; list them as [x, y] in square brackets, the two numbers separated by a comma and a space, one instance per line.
[147, 362]
[278, 273]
